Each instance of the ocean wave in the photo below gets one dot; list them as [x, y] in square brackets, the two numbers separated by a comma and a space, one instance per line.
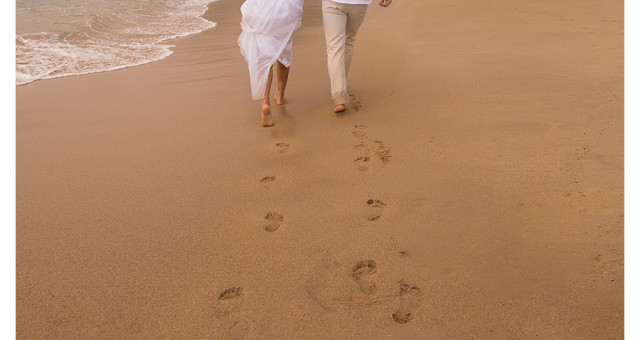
[110, 40]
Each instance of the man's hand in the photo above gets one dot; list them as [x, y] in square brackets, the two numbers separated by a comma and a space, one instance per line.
[385, 3]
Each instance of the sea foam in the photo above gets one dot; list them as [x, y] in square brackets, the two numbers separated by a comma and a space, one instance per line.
[82, 38]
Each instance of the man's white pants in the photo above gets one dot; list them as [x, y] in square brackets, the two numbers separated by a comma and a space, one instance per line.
[341, 23]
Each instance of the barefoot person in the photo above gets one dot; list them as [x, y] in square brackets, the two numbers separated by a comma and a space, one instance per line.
[267, 29]
[342, 19]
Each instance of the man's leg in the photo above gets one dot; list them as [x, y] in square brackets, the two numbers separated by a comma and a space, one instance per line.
[356, 17]
[335, 22]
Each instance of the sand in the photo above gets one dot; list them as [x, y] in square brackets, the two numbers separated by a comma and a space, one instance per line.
[473, 188]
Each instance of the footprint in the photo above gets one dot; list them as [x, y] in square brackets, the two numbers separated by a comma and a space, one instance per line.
[361, 161]
[410, 299]
[333, 286]
[384, 155]
[268, 179]
[370, 145]
[376, 203]
[354, 103]
[363, 272]
[402, 316]
[230, 293]
[359, 130]
[284, 147]
[406, 288]
[275, 219]
[271, 227]
[374, 216]
[364, 267]
[274, 216]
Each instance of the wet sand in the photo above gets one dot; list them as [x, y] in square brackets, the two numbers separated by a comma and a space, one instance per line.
[472, 189]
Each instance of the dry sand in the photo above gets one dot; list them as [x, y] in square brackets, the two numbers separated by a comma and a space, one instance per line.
[473, 189]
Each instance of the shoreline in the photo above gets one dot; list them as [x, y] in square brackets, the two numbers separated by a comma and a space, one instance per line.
[473, 188]
[160, 43]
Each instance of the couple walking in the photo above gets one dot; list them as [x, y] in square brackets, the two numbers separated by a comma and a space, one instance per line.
[266, 39]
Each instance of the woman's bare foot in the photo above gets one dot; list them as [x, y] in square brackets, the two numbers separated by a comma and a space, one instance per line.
[280, 100]
[266, 116]
[338, 108]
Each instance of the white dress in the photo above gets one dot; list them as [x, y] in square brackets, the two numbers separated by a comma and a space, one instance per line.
[267, 28]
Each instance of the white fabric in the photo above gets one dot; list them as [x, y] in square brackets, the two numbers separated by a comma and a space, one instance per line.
[353, 2]
[267, 28]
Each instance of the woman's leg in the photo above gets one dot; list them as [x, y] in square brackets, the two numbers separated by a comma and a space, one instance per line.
[266, 103]
[282, 74]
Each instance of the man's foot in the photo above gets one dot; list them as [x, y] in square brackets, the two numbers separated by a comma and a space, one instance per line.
[266, 116]
[280, 99]
[338, 108]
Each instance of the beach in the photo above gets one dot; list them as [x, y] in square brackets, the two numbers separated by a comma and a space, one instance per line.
[473, 188]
